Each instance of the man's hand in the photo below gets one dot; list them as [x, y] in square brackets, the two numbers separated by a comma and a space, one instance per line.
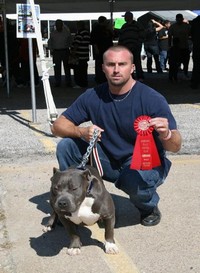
[88, 132]
[161, 126]
[171, 140]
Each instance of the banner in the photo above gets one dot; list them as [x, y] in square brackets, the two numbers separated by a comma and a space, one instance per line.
[25, 23]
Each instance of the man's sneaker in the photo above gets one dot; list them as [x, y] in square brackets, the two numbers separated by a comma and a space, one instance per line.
[151, 219]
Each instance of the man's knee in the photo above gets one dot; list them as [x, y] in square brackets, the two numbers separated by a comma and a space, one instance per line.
[61, 146]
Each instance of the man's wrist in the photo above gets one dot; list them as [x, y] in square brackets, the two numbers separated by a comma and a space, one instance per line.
[168, 136]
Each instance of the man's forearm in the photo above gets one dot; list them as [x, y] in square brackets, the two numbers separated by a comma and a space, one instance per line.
[65, 128]
[173, 144]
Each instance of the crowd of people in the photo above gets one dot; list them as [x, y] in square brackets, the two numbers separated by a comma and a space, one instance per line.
[168, 44]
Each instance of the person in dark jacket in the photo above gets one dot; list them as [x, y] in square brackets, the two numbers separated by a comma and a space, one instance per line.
[132, 36]
[151, 45]
[101, 39]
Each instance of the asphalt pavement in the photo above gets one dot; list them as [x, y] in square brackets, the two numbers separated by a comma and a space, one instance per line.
[27, 152]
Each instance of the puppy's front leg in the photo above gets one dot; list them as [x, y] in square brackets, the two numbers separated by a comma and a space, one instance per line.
[75, 242]
[110, 246]
[51, 222]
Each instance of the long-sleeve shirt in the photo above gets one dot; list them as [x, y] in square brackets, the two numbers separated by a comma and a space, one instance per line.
[60, 39]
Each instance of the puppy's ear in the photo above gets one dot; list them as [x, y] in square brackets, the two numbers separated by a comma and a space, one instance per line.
[87, 174]
[55, 170]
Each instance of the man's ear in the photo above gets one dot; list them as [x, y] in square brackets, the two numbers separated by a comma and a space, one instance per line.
[133, 68]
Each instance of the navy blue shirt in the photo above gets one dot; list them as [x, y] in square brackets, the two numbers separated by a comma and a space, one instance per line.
[117, 117]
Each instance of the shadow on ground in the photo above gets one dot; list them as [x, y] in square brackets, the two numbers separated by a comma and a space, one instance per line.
[51, 243]
[20, 98]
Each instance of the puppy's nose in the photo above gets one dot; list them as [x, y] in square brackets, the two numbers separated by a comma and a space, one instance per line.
[62, 204]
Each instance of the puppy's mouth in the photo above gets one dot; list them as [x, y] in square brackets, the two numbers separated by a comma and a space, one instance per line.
[67, 213]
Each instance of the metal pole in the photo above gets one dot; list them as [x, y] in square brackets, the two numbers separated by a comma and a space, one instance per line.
[6, 52]
[51, 108]
[111, 11]
[32, 80]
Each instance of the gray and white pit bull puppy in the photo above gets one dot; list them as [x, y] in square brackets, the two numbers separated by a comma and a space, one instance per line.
[80, 197]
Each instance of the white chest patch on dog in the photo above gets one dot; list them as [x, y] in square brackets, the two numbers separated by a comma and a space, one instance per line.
[84, 214]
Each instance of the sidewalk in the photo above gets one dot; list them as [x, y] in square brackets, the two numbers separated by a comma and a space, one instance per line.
[27, 158]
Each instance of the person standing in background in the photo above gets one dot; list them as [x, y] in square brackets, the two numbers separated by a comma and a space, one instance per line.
[25, 62]
[80, 48]
[59, 42]
[132, 36]
[101, 39]
[181, 30]
[163, 44]
[151, 45]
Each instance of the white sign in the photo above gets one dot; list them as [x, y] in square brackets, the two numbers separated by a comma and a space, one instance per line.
[25, 23]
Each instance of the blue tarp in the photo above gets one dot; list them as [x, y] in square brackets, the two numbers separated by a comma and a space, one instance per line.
[197, 11]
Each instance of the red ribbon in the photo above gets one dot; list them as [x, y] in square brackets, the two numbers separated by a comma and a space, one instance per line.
[145, 154]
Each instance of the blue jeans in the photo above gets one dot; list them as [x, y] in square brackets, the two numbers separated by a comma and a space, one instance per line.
[139, 185]
[163, 59]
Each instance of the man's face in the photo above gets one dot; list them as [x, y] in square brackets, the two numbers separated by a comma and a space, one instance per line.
[118, 67]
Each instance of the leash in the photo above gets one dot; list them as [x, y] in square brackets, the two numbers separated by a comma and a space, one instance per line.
[92, 150]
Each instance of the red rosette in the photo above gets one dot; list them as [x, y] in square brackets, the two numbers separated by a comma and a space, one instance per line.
[145, 154]
[141, 126]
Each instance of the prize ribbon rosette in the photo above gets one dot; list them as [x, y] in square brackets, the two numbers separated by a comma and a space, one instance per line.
[145, 153]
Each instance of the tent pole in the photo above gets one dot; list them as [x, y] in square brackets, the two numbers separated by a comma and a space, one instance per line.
[51, 109]
[32, 80]
[6, 52]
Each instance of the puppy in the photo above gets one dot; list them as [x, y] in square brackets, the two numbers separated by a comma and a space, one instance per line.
[80, 197]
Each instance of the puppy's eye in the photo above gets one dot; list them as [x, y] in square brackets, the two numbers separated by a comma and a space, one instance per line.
[74, 189]
[56, 187]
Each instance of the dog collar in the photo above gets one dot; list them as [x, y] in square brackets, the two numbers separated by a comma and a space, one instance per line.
[89, 187]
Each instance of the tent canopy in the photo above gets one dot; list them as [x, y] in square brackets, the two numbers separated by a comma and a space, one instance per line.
[80, 6]
[166, 15]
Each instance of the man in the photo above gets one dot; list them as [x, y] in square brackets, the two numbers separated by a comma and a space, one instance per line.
[163, 44]
[113, 107]
[59, 43]
[181, 31]
[132, 36]
[80, 48]
[151, 45]
[195, 34]
[101, 39]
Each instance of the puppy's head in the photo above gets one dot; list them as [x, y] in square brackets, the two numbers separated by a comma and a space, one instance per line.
[68, 189]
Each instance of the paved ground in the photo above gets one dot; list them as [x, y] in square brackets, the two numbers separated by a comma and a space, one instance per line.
[27, 158]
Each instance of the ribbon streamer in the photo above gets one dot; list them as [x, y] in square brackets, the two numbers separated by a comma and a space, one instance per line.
[145, 153]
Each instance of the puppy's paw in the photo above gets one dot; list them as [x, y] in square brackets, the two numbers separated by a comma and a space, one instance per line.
[111, 248]
[47, 229]
[73, 251]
